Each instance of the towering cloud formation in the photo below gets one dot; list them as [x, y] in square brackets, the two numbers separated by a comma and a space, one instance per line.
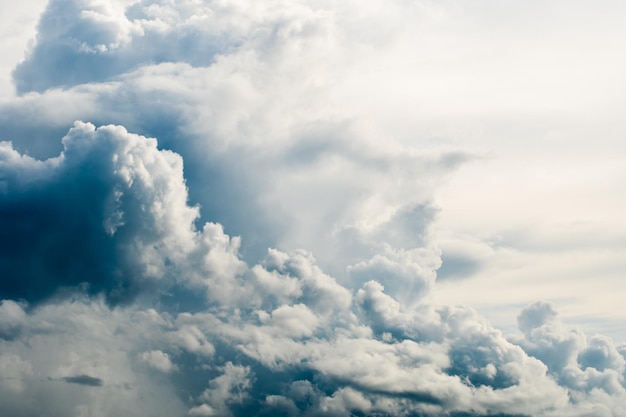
[224, 338]
[125, 290]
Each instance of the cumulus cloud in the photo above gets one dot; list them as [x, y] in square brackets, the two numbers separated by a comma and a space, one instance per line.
[101, 212]
[229, 388]
[243, 118]
[255, 331]
[87, 41]
[12, 317]
[127, 290]
[590, 368]
[158, 360]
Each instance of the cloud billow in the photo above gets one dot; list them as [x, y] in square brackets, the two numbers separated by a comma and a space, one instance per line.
[277, 337]
[81, 42]
[96, 214]
[126, 290]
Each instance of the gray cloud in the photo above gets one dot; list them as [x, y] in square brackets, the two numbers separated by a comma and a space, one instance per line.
[456, 267]
[86, 380]
[12, 318]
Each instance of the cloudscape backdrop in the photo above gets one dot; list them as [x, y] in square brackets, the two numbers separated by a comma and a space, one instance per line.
[312, 208]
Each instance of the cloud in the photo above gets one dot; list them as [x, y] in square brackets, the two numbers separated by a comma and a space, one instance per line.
[229, 388]
[86, 380]
[126, 287]
[158, 360]
[78, 354]
[256, 336]
[99, 213]
[12, 318]
[590, 369]
[14, 371]
[342, 192]
[463, 258]
[90, 41]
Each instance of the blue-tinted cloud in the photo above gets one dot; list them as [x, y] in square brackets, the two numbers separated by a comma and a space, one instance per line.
[279, 336]
[235, 121]
[126, 290]
[96, 214]
[81, 42]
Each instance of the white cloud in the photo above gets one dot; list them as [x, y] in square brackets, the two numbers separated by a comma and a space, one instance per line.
[324, 131]
[193, 340]
[14, 371]
[158, 360]
[344, 401]
[79, 353]
[18, 22]
[229, 388]
[12, 318]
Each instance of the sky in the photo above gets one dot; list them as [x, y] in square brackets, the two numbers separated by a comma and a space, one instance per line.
[312, 208]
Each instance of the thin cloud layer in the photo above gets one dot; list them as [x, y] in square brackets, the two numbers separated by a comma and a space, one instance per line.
[126, 288]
